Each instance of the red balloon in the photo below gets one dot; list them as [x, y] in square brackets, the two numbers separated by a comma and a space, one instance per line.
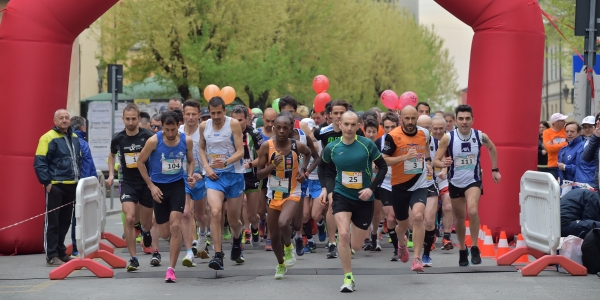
[320, 84]
[408, 98]
[389, 99]
[320, 102]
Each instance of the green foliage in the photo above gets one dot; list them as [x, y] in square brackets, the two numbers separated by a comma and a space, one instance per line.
[564, 12]
[265, 49]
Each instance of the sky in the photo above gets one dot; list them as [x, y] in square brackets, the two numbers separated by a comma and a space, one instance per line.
[457, 36]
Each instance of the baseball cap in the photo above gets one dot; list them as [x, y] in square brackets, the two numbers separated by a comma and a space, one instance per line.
[163, 109]
[310, 122]
[589, 120]
[557, 117]
[259, 123]
[204, 112]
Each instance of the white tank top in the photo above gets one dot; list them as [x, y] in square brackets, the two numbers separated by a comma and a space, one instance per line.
[387, 181]
[436, 171]
[195, 151]
[314, 175]
[422, 181]
[430, 179]
[465, 154]
[220, 144]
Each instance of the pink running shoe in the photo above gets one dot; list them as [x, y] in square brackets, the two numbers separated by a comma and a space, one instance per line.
[403, 253]
[170, 276]
[417, 265]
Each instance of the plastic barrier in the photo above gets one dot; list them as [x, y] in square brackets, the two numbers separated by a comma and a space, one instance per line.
[113, 239]
[88, 214]
[540, 225]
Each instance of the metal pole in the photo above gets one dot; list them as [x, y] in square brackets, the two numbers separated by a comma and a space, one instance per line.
[590, 53]
[560, 80]
[113, 107]
[546, 71]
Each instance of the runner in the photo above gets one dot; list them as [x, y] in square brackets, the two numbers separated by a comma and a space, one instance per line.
[464, 176]
[311, 190]
[266, 131]
[407, 151]
[352, 156]
[129, 143]
[164, 153]
[283, 189]
[438, 128]
[371, 127]
[221, 141]
[252, 140]
[327, 172]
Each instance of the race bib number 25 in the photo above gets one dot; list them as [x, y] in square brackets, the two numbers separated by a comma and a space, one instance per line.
[352, 180]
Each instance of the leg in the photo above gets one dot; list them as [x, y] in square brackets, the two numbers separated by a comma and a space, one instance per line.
[64, 218]
[418, 211]
[447, 215]
[73, 240]
[234, 213]
[215, 200]
[297, 221]
[288, 214]
[343, 219]
[53, 200]
[331, 225]
[459, 209]
[472, 196]
[129, 211]
[155, 234]
[175, 245]
[188, 225]
[273, 222]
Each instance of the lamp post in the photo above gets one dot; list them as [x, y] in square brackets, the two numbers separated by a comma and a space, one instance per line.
[101, 71]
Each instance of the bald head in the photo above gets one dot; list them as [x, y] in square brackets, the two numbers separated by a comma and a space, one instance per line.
[60, 112]
[270, 113]
[350, 116]
[408, 118]
[62, 120]
[269, 119]
[409, 109]
[424, 121]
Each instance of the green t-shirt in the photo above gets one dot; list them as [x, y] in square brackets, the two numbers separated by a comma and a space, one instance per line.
[353, 165]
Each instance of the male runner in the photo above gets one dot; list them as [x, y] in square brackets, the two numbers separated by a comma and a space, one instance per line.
[279, 161]
[266, 131]
[252, 140]
[129, 143]
[311, 189]
[371, 128]
[289, 103]
[194, 197]
[407, 151]
[164, 153]
[327, 172]
[353, 156]
[463, 146]
[438, 128]
[221, 152]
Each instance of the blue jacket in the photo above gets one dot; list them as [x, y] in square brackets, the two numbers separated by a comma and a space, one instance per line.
[570, 156]
[58, 158]
[590, 155]
[88, 168]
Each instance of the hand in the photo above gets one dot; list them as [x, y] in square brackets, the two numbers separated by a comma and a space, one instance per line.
[443, 175]
[210, 173]
[365, 194]
[597, 130]
[447, 161]
[246, 166]
[561, 166]
[48, 188]
[544, 152]
[197, 176]
[218, 163]
[109, 181]
[300, 177]
[429, 170]
[323, 197]
[157, 194]
[412, 153]
[496, 176]
[278, 159]
[191, 182]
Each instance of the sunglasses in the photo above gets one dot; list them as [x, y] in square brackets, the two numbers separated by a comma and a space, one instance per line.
[155, 127]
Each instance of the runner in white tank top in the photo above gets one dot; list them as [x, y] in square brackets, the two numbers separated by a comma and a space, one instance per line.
[463, 145]
[438, 129]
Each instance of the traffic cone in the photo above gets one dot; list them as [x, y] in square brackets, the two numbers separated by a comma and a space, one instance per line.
[488, 245]
[502, 245]
[468, 240]
[481, 236]
[521, 243]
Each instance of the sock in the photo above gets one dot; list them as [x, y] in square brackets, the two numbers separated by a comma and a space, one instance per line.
[254, 230]
[311, 240]
[394, 238]
[380, 228]
[226, 224]
[409, 234]
[189, 251]
[447, 235]
[349, 275]
[428, 241]
[298, 236]
[320, 223]
[134, 257]
[237, 241]
[308, 230]
[373, 238]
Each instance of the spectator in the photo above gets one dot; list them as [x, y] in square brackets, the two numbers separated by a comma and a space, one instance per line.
[579, 212]
[587, 128]
[554, 139]
[590, 151]
[569, 155]
[542, 153]
[57, 166]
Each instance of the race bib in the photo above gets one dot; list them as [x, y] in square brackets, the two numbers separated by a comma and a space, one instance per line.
[248, 161]
[413, 166]
[131, 160]
[172, 166]
[352, 180]
[215, 156]
[388, 175]
[437, 171]
[279, 184]
[465, 162]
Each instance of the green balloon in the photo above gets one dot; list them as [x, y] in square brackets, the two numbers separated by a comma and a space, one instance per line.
[275, 105]
[257, 111]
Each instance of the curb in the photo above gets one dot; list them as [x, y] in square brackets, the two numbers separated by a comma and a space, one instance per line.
[111, 212]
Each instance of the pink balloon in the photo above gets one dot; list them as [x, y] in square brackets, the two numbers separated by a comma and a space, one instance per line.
[320, 84]
[389, 99]
[408, 98]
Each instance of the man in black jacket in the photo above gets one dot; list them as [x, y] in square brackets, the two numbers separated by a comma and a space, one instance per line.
[57, 166]
[579, 212]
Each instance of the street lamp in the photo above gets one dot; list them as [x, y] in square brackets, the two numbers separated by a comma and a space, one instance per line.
[101, 71]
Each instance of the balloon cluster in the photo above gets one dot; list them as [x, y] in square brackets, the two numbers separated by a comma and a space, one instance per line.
[227, 93]
[320, 85]
[391, 100]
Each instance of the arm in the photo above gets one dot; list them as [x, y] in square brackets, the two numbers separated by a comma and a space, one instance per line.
[143, 158]
[203, 157]
[189, 156]
[485, 140]
[40, 163]
[591, 149]
[314, 154]
[382, 166]
[389, 148]
[438, 160]
[238, 142]
[322, 172]
[550, 146]
[306, 151]
[263, 169]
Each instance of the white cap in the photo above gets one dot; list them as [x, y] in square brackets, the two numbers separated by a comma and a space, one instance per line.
[589, 120]
[557, 117]
[310, 122]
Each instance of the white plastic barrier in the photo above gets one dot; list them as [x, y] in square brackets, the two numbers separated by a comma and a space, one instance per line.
[102, 187]
[89, 204]
[540, 211]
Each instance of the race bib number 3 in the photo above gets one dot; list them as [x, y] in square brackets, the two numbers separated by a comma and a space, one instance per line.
[131, 160]
[352, 180]
[215, 156]
[172, 166]
[413, 166]
[279, 184]
[465, 162]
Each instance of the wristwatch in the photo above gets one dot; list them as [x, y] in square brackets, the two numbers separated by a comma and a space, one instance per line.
[496, 170]
[225, 163]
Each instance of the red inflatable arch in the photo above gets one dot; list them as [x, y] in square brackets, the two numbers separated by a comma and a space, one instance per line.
[36, 38]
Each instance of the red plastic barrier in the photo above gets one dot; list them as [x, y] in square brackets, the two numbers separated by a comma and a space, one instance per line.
[505, 89]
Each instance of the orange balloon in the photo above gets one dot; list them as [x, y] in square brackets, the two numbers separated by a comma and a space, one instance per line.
[228, 94]
[211, 91]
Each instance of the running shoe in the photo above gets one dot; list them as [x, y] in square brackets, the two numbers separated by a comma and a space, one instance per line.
[237, 255]
[134, 265]
[306, 249]
[226, 233]
[322, 230]
[205, 254]
[475, 255]
[447, 244]
[155, 260]
[188, 260]
[268, 245]
[427, 261]
[75, 254]
[312, 247]
[217, 262]
[410, 244]
[403, 253]
[348, 286]
[332, 253]
[255, 240]
[247, 237]
[195, 248]
[395, 256]
[417, 265]
[280, 271]
[138, 229]
[377, 246]
[463, 257]
[170, 278]
[261, 228]
[147, 240]
[289, 257]
[243, 237]
[433, 245]
[367, 245]
[299, 247]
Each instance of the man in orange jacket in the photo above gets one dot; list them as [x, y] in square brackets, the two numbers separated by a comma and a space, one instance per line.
[555, 138]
